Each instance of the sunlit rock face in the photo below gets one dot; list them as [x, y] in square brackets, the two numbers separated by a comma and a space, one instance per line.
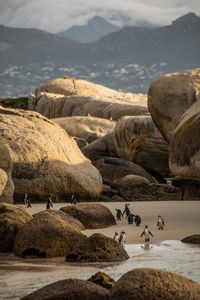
[44, 159]
[137, 139]
[170, 95]
[64, 97]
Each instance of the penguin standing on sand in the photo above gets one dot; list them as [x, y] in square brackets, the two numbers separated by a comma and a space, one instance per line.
[116, 237]
[131, 218]
[122, 238]
[126, 210]
[118, 214]
[146, 232]
[137, 220]
[160, 223]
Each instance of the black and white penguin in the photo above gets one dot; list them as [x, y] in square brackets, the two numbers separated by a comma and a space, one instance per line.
[146, 232]
[116, 237]
[118, 214]
[122, 238]
[160, 223]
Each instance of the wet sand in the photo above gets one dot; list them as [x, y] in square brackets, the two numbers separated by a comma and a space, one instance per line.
[182, 218]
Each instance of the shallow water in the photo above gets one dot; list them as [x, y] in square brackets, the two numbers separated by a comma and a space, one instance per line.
[19, 277]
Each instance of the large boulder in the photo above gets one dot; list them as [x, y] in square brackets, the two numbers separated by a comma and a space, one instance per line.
[70, 289]
[46, 161]
[47, 235]
[86, 127]
[12, 218]
[138, 188]
[6, 182]
[115, 168]
[56, 106]
[75, 223]
[170, 95]
[91, 215]
[99, 248]
[143, 284]
[192, 239]
[104, 146]
[67, 96]
[137, 139]
[184, 157]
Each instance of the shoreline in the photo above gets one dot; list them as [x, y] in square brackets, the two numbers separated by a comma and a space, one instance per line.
[181, 219]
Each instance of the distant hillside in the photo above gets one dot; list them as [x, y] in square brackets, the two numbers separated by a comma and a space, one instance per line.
[95, 29]
[176, 43]
[22, 46]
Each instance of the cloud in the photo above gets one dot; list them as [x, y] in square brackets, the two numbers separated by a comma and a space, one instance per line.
[58, 15]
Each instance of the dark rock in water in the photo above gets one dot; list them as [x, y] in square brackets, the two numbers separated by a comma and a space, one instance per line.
[137, 139]
[154, 284]
[170, 95]
[91, 215]
[70, 289]
[12, 218]
[103, 280]
[192, 239]
[75, 223]
[98, 248]
[113, 169]
[138, 188]
[47, 235]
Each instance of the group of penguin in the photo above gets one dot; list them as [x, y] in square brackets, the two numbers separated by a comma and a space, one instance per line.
[137, 220]
[130, 217]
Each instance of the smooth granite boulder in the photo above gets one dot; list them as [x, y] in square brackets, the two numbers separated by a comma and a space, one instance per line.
[154, 284]
[12, 218]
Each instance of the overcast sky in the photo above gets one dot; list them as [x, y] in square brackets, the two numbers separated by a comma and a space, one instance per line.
[58, 15]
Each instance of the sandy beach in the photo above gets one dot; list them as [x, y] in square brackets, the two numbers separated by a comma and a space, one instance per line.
[181, 218]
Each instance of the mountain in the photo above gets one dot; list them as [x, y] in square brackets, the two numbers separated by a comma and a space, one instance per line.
[127, 59]
[95, 29]
[22, 46]
[175, 43]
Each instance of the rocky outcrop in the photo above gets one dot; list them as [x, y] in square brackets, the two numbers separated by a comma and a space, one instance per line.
[91, 215]
[115, 168]
[192, 239]
[70, 289]
[67, 96]
[57, 106]
[46, 161]
[98, 248]
[73, 222]
[184, 158]
[138, 188]
[47, 235]
[7, 185]
[138, 140]
[88, 128]
[146, 284]
[102, 147]
[103, 280]
[12, 218]
[170, 95]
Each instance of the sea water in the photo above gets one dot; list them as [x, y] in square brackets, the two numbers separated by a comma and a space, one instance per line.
[19, 277]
